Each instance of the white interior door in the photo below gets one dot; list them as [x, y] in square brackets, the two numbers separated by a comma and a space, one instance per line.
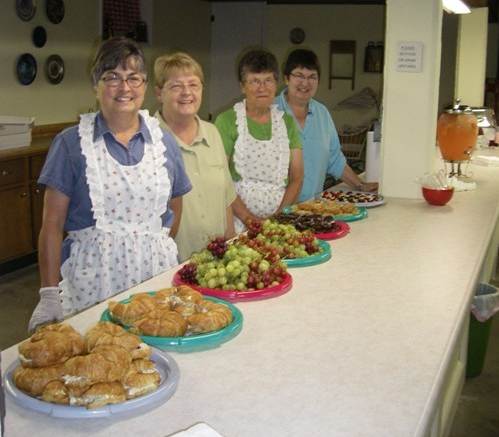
[235, 27]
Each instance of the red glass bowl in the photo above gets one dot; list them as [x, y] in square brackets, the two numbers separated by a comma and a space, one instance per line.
[438, 196]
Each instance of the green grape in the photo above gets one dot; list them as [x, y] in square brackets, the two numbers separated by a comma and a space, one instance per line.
[212, 283]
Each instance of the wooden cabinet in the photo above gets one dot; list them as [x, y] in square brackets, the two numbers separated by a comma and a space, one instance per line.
[21, 201]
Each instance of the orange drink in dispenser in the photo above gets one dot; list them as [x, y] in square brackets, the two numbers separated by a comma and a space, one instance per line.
[457, 132]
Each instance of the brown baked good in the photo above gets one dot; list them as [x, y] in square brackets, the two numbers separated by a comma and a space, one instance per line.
[104, 333]
[161, 323]
[143, 366]
[211, 316]
[56, 392]
[126, 313]
[163, 297]
[34, 380]
[185, 299]
[106, 363]
[138, 384]
[51, 344]
[100, 394]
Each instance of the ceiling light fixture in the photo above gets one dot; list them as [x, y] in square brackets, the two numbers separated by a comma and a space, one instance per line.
[455, 7]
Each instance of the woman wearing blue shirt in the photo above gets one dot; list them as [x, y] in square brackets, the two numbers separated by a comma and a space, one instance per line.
[114, 184]
[321, 146]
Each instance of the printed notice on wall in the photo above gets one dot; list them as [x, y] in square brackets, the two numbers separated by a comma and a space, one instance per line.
[409, 56]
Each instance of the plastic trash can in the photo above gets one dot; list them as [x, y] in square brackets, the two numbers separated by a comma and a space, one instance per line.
[485, 305]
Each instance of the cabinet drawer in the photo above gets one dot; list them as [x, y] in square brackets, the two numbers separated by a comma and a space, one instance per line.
[36, 165]
[13, 171]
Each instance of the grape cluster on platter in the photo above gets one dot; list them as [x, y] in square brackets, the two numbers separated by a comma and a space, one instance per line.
[233, 266]
[317, 223]
[279, 241]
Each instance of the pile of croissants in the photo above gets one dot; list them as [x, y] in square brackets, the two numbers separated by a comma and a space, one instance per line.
[171, 312]
[107, 365]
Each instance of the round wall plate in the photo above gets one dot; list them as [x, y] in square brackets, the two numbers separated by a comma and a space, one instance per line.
[25, 9]
[54, 69]
[55, 10]
[39, 36]
[297, 35]
[26, 68]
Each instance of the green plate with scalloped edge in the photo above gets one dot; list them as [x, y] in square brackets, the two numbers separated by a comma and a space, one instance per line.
[191, 343]
[311, 260]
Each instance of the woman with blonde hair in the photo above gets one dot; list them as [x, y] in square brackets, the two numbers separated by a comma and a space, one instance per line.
[206, 210]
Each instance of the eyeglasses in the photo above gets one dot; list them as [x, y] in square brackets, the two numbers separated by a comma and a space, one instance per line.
[257, 83]
[178, 87]
[113, 80]
[300, 77]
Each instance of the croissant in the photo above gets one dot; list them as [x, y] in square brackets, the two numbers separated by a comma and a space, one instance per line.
[184, 300]
[161, 323]
[51, 344]
[142, 366]
[187, 294]
[126, 313]
[34, 380]
[105, 333]
[100, 394]
[106, 363]
[163, 297]
[212, 316]
[137, 384]
[56, 392]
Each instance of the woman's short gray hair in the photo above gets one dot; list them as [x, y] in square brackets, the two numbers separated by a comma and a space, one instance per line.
[114, 52]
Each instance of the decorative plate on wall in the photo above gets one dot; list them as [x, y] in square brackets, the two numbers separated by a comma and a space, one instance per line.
[55, 10]
[54, 69]
[39, 36]
[25, 9]
[297, 35]
[26, 68]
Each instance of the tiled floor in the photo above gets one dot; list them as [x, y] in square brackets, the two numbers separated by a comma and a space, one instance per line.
[478, 410]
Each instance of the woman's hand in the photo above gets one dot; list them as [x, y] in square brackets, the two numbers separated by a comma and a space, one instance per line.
[371, 187]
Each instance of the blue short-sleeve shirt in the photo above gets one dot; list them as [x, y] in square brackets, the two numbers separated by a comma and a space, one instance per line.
[322, 153]
[65, 169]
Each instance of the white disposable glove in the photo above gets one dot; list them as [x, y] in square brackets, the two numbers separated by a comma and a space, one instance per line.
[48, 310]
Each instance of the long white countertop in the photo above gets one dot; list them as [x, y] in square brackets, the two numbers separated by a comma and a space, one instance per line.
[359, 346]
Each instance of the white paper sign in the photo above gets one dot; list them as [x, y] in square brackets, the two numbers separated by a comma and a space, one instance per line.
[409, 56]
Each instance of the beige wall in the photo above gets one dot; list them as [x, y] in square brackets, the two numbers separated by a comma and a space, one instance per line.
[471, 57]
[321, 24]
[75, 39]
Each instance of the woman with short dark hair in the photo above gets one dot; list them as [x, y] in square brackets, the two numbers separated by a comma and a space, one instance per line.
[322, 153]
[261, 143]
[114, 184]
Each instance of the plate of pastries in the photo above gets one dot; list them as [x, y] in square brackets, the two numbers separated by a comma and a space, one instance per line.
[324, 227]
[177, 318]
[359, 198]
[105, 372]
[346, 212]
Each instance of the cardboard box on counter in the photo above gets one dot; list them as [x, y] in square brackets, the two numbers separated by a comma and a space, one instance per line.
[15, 131]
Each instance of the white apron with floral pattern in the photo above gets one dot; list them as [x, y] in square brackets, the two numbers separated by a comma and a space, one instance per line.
[262, 164]
[128, 244]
